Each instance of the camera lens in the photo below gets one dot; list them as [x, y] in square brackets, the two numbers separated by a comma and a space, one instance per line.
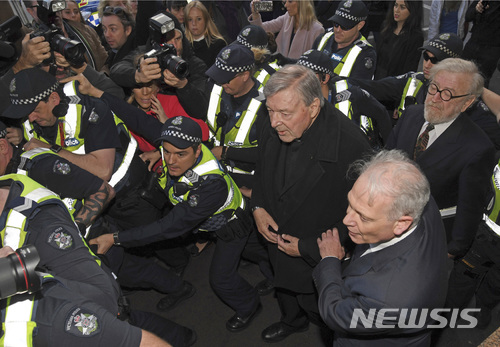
[72, 50]
[177, 66]
[17, 272]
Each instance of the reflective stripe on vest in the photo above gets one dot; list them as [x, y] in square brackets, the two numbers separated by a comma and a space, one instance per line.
[352, 55]
[263, 76]
[248, 120]
[411, 89]
[213, 107]
[120, 173]
[324, 40]
[492, 225]
[19, 327]
[345, 105]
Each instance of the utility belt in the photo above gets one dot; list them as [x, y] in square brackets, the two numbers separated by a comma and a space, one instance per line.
[239, 226]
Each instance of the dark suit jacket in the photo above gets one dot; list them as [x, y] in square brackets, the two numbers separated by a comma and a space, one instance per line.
[458, 166]
[409, 274]
[315, 198]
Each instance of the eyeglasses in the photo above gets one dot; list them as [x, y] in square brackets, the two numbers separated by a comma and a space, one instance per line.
[337, 25]
[433, 60]
[119, 11]
[444, 94]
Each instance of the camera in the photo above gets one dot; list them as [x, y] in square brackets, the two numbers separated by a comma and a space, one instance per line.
[166, 55]
[263, 6]
[17, 272]
[72, 50]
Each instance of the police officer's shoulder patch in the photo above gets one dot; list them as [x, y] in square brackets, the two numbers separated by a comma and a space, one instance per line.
[93, 117]
[82, 322]
[60, 238]
[61, 167]
[193, 200]
[342, 96]
[368, 62]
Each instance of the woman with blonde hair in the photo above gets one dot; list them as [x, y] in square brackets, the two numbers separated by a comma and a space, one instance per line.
[202, 32]
[298, 28]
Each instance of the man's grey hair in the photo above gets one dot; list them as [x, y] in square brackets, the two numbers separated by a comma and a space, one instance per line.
[299, 78]
[393, 174]
[457, 65]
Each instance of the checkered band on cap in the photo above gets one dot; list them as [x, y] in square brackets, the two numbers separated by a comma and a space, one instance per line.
[182, 136]
[350, 16]
[443, 48]
[235, 69]
[35, 99]
[245, 43]
[314, 67]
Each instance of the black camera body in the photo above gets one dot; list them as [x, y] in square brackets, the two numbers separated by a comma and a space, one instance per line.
[72, 50]
[166, 54]
[17, 272]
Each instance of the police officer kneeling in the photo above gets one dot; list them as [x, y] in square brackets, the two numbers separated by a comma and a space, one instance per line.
[205, 198]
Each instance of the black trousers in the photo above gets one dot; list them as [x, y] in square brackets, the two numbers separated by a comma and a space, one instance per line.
[225, 280]
[477, 272]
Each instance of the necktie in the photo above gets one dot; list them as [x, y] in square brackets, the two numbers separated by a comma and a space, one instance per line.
[422, 141]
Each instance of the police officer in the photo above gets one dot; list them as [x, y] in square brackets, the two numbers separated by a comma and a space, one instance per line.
[74, 184]
[354, 102]
[349, 50]
[478, 272]
[235, 109]
[34, 215]
[204, 199]
[411, 88]
[79, 128]
[255, 38]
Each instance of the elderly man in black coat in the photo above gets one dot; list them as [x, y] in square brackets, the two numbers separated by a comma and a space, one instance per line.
[300, 188]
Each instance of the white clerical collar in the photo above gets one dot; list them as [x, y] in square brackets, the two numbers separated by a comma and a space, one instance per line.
[375, 247]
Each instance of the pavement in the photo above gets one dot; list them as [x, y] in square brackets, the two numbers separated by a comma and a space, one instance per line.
[207, 315]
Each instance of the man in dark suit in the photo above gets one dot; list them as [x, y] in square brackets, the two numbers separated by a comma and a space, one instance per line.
[458, 158]
[399, 261]
[300, 187]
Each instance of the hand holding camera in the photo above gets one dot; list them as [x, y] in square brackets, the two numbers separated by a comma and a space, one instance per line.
[148, 70]
[34, 52]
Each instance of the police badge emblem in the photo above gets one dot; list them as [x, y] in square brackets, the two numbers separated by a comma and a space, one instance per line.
[62, 168]
[226, 53]
[368, 63]
[177, 120]
[60, 239]
[245, 32]
[12, 87]
[348, 4]
[82, 322]
[94, 117]
[444, 37]
[193, 200]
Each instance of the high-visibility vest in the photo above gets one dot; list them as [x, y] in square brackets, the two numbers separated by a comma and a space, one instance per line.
[262, 75]
[208, 165]
[239, 135]
[413, 85]
[68, 134]
[344, 67]
[345, 106]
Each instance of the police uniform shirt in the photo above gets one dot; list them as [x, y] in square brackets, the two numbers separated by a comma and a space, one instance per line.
[390, 89]
[184, 217]
[60, 175]
[364, 66]
[62, 251]
[71, 314]
[97, 128]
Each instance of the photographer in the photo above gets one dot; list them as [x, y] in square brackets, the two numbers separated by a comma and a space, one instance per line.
[182, 90]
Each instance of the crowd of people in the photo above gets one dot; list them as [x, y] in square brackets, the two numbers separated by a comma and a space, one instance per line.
[355, 179]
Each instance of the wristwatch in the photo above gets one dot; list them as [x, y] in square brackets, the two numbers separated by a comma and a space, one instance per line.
[255, 208]
[55, 148]
[115, 238]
